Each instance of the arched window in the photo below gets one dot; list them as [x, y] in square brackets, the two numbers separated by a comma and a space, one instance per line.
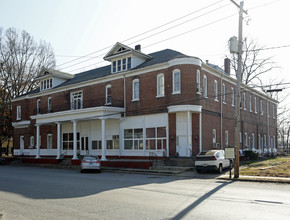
[108, 95]
[198, 88]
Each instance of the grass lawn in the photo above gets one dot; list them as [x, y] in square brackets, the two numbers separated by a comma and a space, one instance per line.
[273, 167]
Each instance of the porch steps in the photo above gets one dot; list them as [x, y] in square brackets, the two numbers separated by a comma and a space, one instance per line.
[65, 163]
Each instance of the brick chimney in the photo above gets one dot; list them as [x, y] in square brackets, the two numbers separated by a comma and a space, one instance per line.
[227, 66]
[138, 47]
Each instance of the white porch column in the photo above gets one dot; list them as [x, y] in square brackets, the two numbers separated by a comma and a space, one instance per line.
[188, 128]
[58, 140]
[37, 141]
[75, 140]
[200, 132]
[104, 139]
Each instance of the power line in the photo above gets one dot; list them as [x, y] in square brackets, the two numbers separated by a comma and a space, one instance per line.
[178, 35]
[164, 31]
[144, 32]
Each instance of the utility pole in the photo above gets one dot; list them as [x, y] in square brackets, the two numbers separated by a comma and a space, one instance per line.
[238, 91]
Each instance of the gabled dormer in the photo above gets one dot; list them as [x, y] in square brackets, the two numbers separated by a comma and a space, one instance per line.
[50, 78]
[124, 58]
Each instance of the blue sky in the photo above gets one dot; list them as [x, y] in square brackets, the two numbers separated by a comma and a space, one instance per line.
[79, 27]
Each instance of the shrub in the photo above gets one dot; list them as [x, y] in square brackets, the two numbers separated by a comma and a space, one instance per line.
[251, 155]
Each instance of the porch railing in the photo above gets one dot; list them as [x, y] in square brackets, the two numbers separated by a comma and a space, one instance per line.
[84, 104]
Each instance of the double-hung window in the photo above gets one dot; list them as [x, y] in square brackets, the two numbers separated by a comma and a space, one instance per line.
[250, 103]
[124, 64]
[160, 85]
[255, 104]
[216, 98]
[49, 106]
[135, 89]
[224, 93]
[244, 101]
[18, 113]
[114, 68]
[233, 96]
[198, 88]
[261, 106]
[38, 106]
[108, 95]
[214, 138]
[176, 81]
[205, 86]
[77, 100]
[227, 138]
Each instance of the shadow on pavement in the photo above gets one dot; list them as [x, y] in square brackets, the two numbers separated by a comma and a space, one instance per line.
[181, 214]
[47, 183]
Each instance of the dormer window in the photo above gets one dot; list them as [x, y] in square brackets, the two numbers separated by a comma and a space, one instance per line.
[121, 65]
[46, 84]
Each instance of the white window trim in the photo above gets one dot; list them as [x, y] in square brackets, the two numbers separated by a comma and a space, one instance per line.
[198, 82]
[173, 82]
[133, 90]
[107, 101]
[49, 145]
[233, 96]
[216, 91]
[244, 101]
[38, 103]
[18, 112]
[261, 106]
[274, 114]
[255, 101]
[71, 99]
[224, 93]
[214, 136]
[227, 138]
[49, 105]
[205, 86]
[32, 141]
[159, 94]
[250, 100]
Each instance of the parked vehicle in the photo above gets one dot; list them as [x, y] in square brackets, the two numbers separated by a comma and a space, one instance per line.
[2, 161]
[90, 163]
[212, 160]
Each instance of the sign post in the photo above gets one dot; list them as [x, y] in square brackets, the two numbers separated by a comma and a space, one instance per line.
[230, 154]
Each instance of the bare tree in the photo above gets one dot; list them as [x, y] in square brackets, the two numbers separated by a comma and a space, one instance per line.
[21, 59]
[254, 66]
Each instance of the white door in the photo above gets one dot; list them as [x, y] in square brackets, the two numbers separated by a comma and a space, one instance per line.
[183, 133]
[21, 145]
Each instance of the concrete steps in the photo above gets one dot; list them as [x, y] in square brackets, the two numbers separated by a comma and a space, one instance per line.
[175, 165]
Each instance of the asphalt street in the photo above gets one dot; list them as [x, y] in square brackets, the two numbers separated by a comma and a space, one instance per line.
[43, 193]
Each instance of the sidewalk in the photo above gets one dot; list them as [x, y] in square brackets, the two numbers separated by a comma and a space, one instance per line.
[262, 179]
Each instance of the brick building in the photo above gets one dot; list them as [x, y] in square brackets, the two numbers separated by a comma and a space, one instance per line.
[164, 103]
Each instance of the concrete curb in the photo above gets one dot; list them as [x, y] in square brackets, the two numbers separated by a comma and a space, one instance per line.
[261, 179]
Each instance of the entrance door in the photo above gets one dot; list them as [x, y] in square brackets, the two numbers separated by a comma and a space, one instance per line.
[85, 145]
[183, 134]
[21, 145]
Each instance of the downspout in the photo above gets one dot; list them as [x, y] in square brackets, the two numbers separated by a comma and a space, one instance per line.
[125, 109]
[124, 96]
[268, 128]
[221, 133]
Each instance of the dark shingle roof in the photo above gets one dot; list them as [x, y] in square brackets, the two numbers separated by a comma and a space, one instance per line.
[157, 57]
